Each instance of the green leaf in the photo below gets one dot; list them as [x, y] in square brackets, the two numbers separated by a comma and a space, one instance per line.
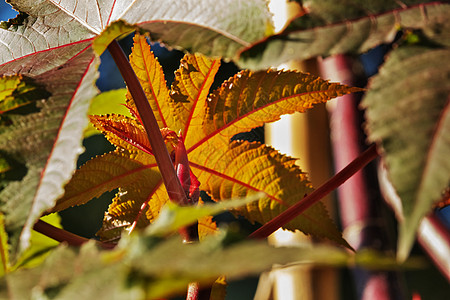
[48, 142]
[173, 217]
[338, 27]
[211, 27]
[106, 103]
[41, 245]
[152, 268]
[115, 30]
[4, 248]
[414, 83]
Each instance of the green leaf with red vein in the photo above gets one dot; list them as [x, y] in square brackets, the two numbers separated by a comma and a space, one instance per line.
[46, 139]
[50, 42]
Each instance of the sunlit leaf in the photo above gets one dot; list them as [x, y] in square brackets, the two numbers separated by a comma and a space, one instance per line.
[123, 132]
[50, 43]
[107, 103]
[186, 100]
[246, 168]
[250, 99]
[224, 170]
[106, 173]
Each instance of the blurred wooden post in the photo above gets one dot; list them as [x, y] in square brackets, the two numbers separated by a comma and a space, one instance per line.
[304, 136]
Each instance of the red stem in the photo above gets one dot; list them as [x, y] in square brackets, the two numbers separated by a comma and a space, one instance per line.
[171, 181]
[62, 235]
[338, 179]
[165, 165]
[360, 203]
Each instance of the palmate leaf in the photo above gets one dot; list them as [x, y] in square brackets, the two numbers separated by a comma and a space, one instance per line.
[218, 28]
[338, 27]
[228, 170]
[250, 99]
[416, 146]
[50, 43]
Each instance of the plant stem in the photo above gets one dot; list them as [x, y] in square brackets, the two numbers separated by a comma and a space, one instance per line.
[171, 181]
[62, 235]
[363, 215]
[338, 179]
[165, 164]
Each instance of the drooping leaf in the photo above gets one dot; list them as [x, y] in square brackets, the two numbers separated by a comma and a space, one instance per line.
[48, 141]
[225, 170]
[337, 27]
[415, 147]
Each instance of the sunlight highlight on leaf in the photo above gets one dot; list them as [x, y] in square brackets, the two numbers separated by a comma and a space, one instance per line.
[119, 168]
[151, 76]
[246, 168]
[250, 99]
